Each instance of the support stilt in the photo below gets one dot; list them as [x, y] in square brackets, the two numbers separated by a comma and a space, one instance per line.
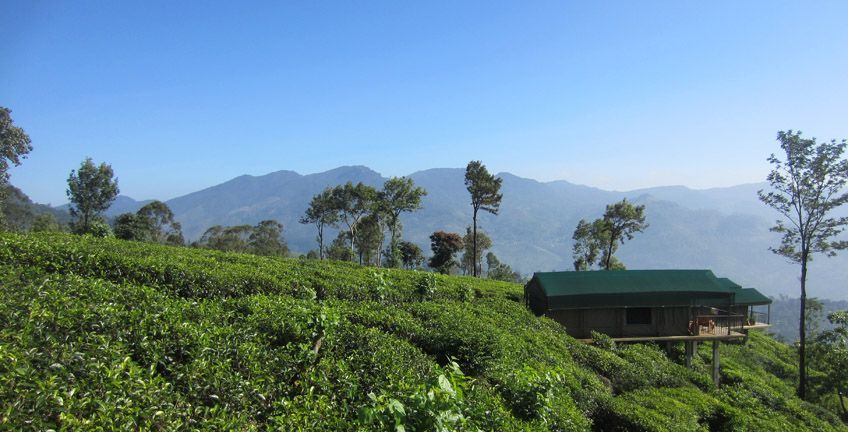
[689, 352]
[716, 364]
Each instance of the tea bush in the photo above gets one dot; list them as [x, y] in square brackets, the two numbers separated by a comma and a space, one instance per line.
[106, 334]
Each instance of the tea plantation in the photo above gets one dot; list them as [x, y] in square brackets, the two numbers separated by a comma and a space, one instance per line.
[112, 335]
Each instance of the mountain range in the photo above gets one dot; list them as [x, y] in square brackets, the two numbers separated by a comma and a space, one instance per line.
[723, 229]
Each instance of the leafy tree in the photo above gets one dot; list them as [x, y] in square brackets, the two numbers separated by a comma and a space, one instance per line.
[339, 250]
[263, 239]
[353, 203]
[14, 146]
[267, 239]
[399, 195]
[91, 190]
[806, 187]
[130, 226]
[621, 220]
[369, 236]
[323, 213]
[829, 353]
[46, 222]
[163, 227]
[482, 244]
[411, 255]
[588, 238]
[484, 189]
[500, 271]
[444, 246]
[227, 238]
[153, 222]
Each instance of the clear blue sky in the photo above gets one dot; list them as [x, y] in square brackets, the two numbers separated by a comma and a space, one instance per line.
[179, 96]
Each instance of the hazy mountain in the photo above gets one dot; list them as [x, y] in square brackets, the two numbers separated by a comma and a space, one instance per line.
[724, 229]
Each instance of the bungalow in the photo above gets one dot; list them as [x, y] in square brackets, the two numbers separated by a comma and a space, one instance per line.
[641, 305]
[649, 305]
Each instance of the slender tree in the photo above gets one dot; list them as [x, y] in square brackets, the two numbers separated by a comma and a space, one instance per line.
[14, 146]
[323, 213]
[621, 220]
[399, 195]
[485, 195]
[806, 187]
[482, 244]
[91, 190]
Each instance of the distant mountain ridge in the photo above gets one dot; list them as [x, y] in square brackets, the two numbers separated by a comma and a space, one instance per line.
[723, 229]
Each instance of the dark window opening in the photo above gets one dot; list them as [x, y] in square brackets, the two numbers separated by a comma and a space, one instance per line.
[638, 316]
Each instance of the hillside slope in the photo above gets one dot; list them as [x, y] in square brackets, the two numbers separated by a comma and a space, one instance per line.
[122, 335]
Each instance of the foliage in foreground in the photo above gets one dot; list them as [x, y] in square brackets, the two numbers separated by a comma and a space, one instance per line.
[121, 335]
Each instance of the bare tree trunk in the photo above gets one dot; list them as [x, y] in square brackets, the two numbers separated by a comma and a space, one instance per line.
[842, 404]
[474, 247]
[320, 242]
[608, 257]
[802, 348]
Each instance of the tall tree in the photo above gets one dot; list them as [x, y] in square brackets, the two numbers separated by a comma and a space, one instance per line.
[164, 227]
[399, 195]
[368, 239]
[482, 244]
[621, 220]
[485, 195]
[588, 238]
[353, 203]
[323, 213]
[267, 239]
[806, 187]
[444, 246]
[14, 146]
[91, 190]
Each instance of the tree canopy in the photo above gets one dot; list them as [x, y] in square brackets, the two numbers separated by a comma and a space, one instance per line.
[399, 195]
[15, 144]
[91, 190]
[444, 246]
[621, 220]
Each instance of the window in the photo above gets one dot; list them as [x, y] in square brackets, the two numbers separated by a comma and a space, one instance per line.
[638, 316]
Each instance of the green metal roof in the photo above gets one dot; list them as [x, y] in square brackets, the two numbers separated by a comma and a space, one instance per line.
[639, 288]
[750, 296]
[729, 283]
[745, 296]
[571, 283]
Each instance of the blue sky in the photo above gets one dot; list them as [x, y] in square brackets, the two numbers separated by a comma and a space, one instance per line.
[179, 96]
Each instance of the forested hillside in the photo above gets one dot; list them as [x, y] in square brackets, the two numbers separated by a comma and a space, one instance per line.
[103, 333]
